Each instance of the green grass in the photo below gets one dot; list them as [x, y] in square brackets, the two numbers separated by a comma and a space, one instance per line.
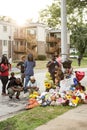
[42, 64]
[30, 119]
[83, 63]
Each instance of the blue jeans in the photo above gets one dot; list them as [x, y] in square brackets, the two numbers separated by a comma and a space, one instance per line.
[27, 78]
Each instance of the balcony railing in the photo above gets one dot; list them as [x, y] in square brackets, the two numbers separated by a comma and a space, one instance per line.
[19, 36]
[51, 39]
[20, 49]
[50, 49]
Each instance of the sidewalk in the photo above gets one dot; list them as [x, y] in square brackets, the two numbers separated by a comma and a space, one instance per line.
[75, 119]
[71, 120]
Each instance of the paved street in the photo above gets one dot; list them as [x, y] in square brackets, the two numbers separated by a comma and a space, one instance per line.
[10, 107]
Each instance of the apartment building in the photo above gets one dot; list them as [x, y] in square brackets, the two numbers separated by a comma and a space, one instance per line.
[16, 41]
[36, 36]
[6, 38]
[53, 42]
[32, 38]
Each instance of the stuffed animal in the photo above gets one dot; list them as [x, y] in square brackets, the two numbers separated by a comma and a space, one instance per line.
[31, 104]
[48, 82]
[35, 94]
[74, 101]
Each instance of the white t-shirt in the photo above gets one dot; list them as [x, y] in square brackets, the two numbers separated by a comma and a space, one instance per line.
[30, 84]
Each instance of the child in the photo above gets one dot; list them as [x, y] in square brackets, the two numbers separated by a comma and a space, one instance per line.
[32, 85]
[12, 77]
[14, 86]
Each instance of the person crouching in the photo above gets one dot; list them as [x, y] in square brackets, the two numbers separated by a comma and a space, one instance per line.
[32, 85]
[14, 86]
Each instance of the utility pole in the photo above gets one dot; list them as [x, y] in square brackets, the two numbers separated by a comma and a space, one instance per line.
[64, 47]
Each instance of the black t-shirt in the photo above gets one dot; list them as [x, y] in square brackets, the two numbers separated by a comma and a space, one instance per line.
[13, 83]
[51, 68]
[21, 64]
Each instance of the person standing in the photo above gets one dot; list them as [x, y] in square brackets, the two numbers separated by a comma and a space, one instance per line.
[4, 73]
[51, 65]
[29, 70]
[79, 60]
[20, 65]
[10, 62]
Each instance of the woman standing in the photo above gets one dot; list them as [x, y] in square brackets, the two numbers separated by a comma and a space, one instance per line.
[4, 73]
[29, 69]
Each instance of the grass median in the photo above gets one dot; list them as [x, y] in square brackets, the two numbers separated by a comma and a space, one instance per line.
[30, 119]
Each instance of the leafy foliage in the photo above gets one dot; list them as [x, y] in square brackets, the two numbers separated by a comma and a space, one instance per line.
[79, 37]
[51, 15]
[76, 14]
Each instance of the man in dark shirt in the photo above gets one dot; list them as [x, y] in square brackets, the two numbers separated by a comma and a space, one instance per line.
[20, 65]
[51, 65]
[15, 86]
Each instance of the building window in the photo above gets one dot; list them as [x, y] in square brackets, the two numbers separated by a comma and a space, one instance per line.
[21, 43]
[31, 31]
[52, 34]
[5, 28]
[5, 43]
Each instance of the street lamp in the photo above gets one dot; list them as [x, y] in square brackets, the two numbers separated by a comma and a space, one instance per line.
[11, 46]
[64, 47]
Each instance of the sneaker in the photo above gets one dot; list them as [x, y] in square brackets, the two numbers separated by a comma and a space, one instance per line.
[17, 97]
[4, 94]
[10, 97]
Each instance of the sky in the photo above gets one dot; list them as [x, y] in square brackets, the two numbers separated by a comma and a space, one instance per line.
[20, 10]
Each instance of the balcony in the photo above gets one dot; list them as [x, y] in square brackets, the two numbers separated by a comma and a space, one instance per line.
[20, 49]
[51, 39]
[50, 49]
[19, 36]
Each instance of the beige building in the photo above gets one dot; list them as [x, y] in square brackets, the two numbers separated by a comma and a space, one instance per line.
[32, 38]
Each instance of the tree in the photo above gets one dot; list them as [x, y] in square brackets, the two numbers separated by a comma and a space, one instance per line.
[51, 15]
[76, 11]
[79, 38]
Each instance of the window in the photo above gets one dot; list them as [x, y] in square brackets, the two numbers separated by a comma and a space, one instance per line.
[5, 43]
[21, 43]
[5, 28]
[31, 31]
[52, 34]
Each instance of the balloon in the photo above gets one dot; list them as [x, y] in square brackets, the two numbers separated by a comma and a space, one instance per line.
[75, 81]
[79, 75]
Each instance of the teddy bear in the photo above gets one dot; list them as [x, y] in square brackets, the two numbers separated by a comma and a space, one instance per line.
[48, 82]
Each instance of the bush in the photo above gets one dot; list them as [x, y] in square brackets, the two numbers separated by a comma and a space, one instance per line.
[41, 57]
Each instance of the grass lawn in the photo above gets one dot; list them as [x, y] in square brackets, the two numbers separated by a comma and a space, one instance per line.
[30, 119]
[83, 63]
[42, 64]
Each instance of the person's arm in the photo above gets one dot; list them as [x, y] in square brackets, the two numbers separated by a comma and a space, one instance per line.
[35, 85]
[49, 63]
[3, 68]
[17, 89]
[18, 65]
[34, 64]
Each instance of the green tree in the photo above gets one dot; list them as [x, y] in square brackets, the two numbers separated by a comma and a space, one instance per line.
[51, 15]
[79, 38]
[76, 12]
